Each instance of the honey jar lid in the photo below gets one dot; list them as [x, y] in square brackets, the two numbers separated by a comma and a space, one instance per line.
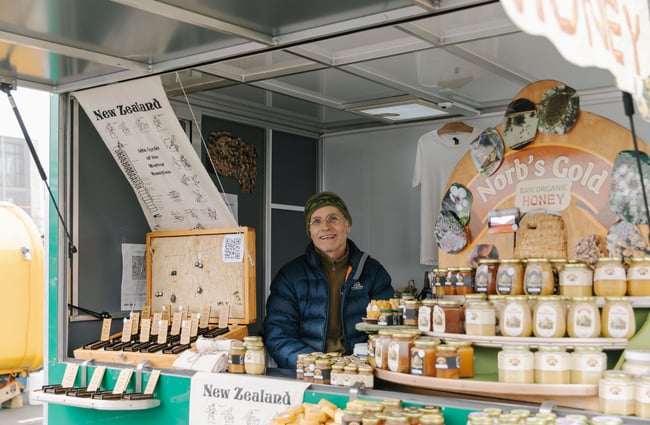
[609, 259]
[637, 355]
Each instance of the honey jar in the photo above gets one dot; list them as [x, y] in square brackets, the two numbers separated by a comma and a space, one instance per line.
[423, 356]
[617, 318]
[399, 353]
[538, 277]
[516, 365]
[583, 318]
[587, 365]
[485, 277]
[642, 397]
[510, 277]
[425, 314]
[465, 281]
[381, 348]
[410, 312]
[236, 359]
[480, 318]
[576, 280]
[447, 362]
[516, 317]
[448, 317]
[450, 281]
[610, 277]
[465, 358]
[552, 365]
[439, 277]
[617, 393]
[255, 359]
[638, 277]
[549, 319]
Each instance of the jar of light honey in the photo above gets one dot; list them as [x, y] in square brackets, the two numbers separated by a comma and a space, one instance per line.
[587, 365]
[610, 277]
[642, 397]
[617, 318]
[439, 277]
[549, 319]
[617, 393]
[576, 280]
[510, 277]
[480, 318]
[381, 348]
[516, 365]
[638, 277]
[450, 281]
[516, 317]
[425, 314]
[538, 277]
[552, 365]
[583, 318]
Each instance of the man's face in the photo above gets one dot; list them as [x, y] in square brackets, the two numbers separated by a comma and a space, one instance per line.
[328, 230]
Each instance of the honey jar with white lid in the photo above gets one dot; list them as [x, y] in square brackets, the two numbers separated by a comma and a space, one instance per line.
[552, 365]
[583, 318]
[617, 318]
[610, 277]
[617, 393]
[638, 277]
[549, 319]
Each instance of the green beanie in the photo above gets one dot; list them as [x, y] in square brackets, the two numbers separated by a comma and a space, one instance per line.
[324, 199]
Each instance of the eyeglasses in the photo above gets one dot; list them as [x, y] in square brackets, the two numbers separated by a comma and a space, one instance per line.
[331, 219]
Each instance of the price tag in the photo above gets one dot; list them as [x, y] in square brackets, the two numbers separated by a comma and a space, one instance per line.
[185, 332]
[176, 323]
[126, 330]
[204, 320]
[135, 318]
[162, 332]
[122, 381]
[166, 311]
[157, 317]
[224, 314]
[69, 375]
[153, 380]
[96, 379]
[146, 312]
[145, 329]
[194, 324]
[106, 329]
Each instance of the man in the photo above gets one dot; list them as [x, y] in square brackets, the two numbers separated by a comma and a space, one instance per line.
[317, 298]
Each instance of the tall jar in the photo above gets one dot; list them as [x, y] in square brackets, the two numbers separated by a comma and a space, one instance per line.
[617, 318]
[485, 277]
[552, 365]
[587, 365]
[576, 280]
[423, 356]
[439, 277]
[255, 359]
[465, 281]
[236, 359]
[323, 371]
[642, 397]
[450, 281]
[510, 277]
[410, 314]
[583, 318]
[538, 277]
[516, 365]
[638, 277]
[372, 340]
[425, 314]
[448, 317]
[549, 319]
[499, 302]
[617, 393]
[381, 348]
[610, 277]
[399, 353]
[465, 357]
[516, 317]
[480, 318]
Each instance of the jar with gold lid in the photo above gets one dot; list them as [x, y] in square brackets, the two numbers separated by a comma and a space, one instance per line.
[448, 317]
[538, 277]
[439, 277]
[587, 365]
[510, 277]
[610, 277]
[450, 281]
[617, 318]
[255, 359]
[576, 280]
[322, 370]
[480, 318]
[605, 420]
[617, 393]
[447, 362]
[516, 365]
[410, 312]
[425, 314]
[399, 352]
[465, 280]
[465, 352]
[423, 356]
[236, 359]
[638, 277]
[516, 317]
[432, 419]
[583, 318]
[552, 365]
[485, 277]
[499, 302]
[549, 319]
[372, 340]
[381, 348]
[642, 397]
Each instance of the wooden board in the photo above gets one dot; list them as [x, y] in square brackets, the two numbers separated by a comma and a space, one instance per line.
[197, 268]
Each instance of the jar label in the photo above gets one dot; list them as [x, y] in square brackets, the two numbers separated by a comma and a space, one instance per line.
[237, 359]
[609, 272]
[553, 362]
[618, 321]
[393, 356]
[439, 324]
[533, 279]
[638, 273]
[451, 362]
[481, 279]
[517, 362]
[546, 321]
[643, 393]
[417, 362]
[424, 319]
[589, 363]
[322, 375]
[474, 316]
[504, 281]
[616, 390]
[512, 322]
[584, 322]
[576, 277]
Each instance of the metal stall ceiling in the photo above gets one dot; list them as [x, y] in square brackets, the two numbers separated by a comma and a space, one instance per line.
[311, 64]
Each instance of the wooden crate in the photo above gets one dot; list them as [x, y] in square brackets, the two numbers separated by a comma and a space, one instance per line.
[199, 267]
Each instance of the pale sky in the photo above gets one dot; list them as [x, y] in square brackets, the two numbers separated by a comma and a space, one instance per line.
[34, 107]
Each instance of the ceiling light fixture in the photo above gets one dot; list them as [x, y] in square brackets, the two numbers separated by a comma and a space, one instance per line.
[401, 111]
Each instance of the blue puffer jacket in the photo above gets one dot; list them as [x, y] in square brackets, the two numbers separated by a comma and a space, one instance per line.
[298, 305]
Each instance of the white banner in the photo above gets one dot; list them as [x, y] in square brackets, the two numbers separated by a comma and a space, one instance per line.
[143, 134]
[613, 35]
[227, 399]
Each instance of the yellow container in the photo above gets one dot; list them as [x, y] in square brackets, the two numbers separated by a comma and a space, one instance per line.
[22, 285]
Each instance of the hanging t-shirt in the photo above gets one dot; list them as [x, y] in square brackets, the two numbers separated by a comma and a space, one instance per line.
[436, 158]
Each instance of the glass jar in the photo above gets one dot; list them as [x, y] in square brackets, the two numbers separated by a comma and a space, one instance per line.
[465, 281]
[349, 376]
[372, 340]
[410, 312]
[423, 356]
[642, 397]
[255, 359]
[425, 314]
[638, 277]
[610, 277]
[480, 318]
[617, 393]
[381, 348]
[516, 365]
[352, 417]
[236, 359]
[587, 365]
[510, 277]
[485, 277]
[549, 319]
[465, 357]
[448, 317]
[432, 419]
[605, 420]
[365, 375]
[576, 280]
[336, 374]
[447, 362]
[439, 278]
[499, 302]
[583, 318]
[309, 363]
[552, 365]
[399, 353]
[557, 264]
[538, 278]
[617, 318]
[385, 317]
[516, 317]
[450, 281]
[636, 362]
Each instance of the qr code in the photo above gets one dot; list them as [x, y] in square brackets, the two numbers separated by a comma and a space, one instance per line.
[232, 249]
[138, 267]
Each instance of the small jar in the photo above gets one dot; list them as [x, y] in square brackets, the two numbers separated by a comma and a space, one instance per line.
[587, 365]
[617, 393]
[352, 417]
[255, 359]
[516, 365]
[450, 281]
[365, 375]
[465, 281]
[538, 278]
[425, 314]
[636, 362]
[576, 280]
[432, 419]
[448, 317]
[322, 371]
[423, 356]
[638, 277]
[236, 355]
[252, 339]
[447, 362]
[583, 318]
[309, 363]
[510, 277]
[485, 277]
[516, 317]
[465, 357]
[617, 318]
[552, 365]
[610, 277]
[385, 317]
[480, 318]
[336, 374]
[349, 376]
[605, 420]
[381, 348]
[399, 353]
[549, 319]
[642, 397]
[439, 277]
[410, 314]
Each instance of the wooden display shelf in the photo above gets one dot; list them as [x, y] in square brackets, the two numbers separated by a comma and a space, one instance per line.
[578, 396]
[158, 360]
[89, 403]
[533, 342]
